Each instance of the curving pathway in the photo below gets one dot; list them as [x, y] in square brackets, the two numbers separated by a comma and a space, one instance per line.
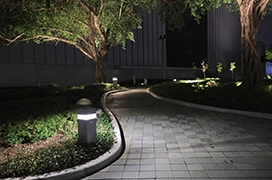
[169, 141]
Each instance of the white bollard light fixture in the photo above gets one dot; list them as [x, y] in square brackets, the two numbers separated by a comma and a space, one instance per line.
[145, 81]
[86, 118]
[115, 81]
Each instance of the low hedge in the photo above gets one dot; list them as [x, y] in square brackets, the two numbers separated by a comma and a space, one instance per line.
[219, 93]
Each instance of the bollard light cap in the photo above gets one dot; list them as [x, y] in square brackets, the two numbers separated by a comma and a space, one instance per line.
[84, 102]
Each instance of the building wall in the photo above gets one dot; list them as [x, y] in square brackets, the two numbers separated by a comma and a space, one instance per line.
[265, 36]
[29, 64]
[224, 42]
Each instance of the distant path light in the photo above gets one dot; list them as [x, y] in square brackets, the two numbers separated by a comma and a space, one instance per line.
[115, 81]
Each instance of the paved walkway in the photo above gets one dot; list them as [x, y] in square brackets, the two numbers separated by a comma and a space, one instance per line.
[168, 141]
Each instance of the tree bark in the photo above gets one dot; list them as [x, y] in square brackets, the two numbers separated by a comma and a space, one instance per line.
[251, 13]
[98, 51]
[100, 70]
[250, 57]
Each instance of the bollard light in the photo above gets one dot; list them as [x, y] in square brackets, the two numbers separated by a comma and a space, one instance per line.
[114, 81]
[145, 81]
[86, 118]
[174, 79]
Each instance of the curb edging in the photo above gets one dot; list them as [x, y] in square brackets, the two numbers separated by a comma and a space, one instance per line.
[211, 108]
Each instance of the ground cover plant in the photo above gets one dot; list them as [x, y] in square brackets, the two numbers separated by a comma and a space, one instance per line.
[38, 129]
[219, 93]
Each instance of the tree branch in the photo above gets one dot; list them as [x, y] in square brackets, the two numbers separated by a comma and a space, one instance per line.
[84, 5]
[60, 30]
[261, 5]
[84, 24]
[53, 38]
[10, 40]
[120, 10]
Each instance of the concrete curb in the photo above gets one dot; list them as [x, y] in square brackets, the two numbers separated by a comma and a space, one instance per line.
[211, 108]
[93, 166]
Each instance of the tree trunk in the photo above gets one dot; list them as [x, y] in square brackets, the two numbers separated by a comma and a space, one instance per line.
[251, 13]
[100, 62]
[100, 70]
[252, 76]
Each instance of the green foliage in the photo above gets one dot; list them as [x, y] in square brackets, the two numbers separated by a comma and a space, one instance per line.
[204, 67]
[232, 68]
[219, 68]
[175, 12]
[105, 132]
[50, 110]
[222, 93]
[207, 83]
[34, 129]
[54, 158]
[71, 21]
[268, 53]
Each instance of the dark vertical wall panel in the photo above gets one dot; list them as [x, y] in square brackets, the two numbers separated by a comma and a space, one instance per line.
[39, 53]
[61, 53]
[110, 58]
[117, 56]
[265, 31]
[140, 47]
[50, 53]
[129, 53]
[145, 40]
[155, 38]
[78, 57]
[5, 74]
[16, 55]
[17, 74]
[224, 39]
[123, 56]
[135, 48]
[29, 74]
[87, 61]
[70, 54]
[4, 54]
[150, 40]
[28, 55]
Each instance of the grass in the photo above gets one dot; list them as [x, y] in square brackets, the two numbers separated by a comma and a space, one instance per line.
[218, 93]
[44, 120]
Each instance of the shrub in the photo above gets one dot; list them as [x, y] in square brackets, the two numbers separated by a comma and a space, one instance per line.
[218, 93]
[51, 110]
[56, 158]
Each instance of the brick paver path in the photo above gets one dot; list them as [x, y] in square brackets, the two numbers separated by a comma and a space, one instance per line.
[169, 141]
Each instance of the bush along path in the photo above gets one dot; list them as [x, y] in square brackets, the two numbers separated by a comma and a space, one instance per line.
[40, 134]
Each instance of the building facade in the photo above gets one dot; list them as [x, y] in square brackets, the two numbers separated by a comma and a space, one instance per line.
[29, 64]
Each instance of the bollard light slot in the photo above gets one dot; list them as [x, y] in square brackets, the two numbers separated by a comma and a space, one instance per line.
[86, 116]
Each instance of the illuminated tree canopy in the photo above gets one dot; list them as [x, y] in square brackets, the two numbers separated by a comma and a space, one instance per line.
[94, 26]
